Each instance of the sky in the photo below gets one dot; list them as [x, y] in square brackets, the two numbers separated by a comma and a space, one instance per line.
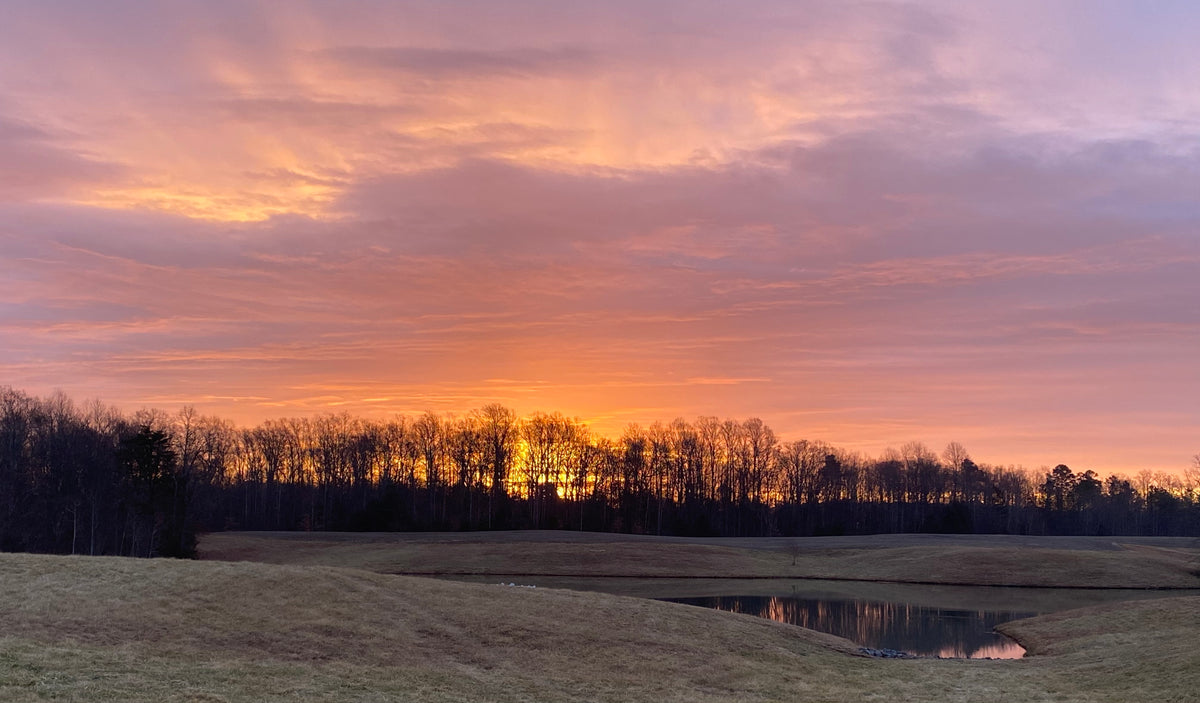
[866, 223]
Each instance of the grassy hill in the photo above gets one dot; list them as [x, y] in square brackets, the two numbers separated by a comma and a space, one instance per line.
[993, 560]
[110, 629]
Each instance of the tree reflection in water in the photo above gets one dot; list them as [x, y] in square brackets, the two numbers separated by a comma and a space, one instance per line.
[920, 630]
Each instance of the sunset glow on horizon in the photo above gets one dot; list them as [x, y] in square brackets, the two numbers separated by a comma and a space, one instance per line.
[865, 223]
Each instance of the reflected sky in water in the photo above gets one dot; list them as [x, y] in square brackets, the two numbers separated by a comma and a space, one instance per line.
[917, 629]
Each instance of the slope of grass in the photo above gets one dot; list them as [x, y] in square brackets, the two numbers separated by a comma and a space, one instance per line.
[107, 629]
[995, 560]
[1157, 636]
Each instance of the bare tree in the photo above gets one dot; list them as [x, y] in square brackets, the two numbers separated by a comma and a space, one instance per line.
[498, 429]
[956, 457]
[467, 450]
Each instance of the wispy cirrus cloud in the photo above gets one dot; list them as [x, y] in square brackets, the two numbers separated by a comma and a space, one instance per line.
[436, 63]
[865, 222]
[39, 164]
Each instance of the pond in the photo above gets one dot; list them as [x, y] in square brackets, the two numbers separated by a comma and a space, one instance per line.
[883, 625]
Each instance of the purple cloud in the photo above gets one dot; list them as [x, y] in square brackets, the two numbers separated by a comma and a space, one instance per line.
[864, 222]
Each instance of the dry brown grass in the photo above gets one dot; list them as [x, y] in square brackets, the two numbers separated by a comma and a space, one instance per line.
[970, 560]
[104, 629]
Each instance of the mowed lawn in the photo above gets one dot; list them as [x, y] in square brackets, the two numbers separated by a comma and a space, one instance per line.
[110, 629]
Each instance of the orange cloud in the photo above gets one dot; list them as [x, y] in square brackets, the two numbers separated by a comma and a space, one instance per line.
[866, 223]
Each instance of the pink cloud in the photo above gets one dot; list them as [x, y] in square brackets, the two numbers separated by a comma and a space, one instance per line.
[851, 219]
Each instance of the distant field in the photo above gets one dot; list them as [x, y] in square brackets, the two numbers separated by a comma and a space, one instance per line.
[998, 560]
[110, 629]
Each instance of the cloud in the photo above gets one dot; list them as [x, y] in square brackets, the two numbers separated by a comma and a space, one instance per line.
[308, 113]
[438, 63]
[39, 164]
[845, 217]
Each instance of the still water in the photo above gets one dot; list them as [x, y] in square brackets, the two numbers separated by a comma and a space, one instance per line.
[915, 629]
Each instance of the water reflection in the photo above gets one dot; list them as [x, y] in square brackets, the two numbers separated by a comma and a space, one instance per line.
[917, 629]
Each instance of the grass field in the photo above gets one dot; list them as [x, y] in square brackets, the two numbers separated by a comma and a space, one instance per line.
[989, 560]
[108, 629]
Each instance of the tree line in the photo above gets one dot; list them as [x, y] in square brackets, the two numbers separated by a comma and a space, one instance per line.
[88, 479]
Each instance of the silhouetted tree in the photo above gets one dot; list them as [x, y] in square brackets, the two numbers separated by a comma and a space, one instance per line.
[86, 479]
[157, 495]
